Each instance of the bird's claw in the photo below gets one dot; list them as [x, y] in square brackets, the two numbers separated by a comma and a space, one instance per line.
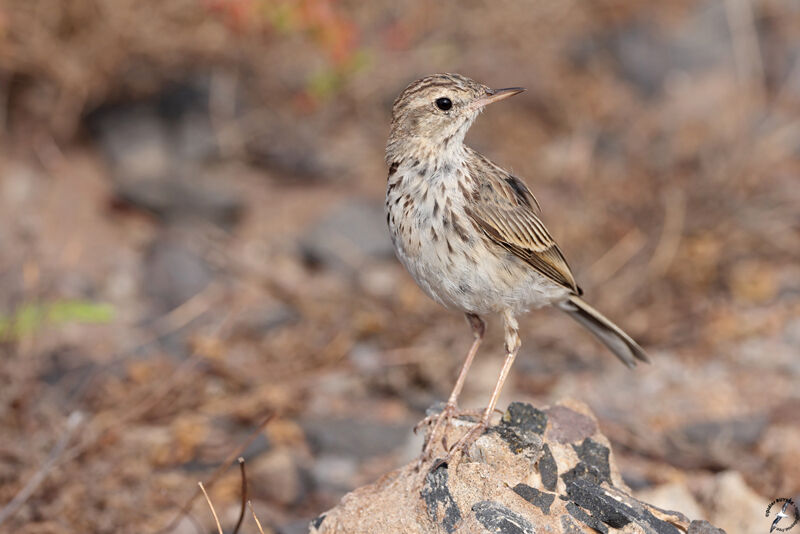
[438, 434]
[461, 446]
[440, 423]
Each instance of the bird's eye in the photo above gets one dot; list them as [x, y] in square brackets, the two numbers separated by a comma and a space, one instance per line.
[444, 103]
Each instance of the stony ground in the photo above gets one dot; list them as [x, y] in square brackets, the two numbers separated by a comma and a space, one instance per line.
[183, 257]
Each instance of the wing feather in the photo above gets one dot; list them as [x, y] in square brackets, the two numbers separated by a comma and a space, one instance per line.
[506, 211]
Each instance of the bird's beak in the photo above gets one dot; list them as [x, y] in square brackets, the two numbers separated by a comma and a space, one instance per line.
[495, 95]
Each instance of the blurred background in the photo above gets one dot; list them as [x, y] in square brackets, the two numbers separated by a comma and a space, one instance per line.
[192, 239]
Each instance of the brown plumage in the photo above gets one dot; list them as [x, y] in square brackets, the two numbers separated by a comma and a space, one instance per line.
[470, 233]
[502, 207]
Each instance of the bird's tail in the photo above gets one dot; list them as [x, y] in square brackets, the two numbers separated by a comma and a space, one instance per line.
[612, 336]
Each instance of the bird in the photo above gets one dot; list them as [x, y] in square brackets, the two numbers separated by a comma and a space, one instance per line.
[471, 235]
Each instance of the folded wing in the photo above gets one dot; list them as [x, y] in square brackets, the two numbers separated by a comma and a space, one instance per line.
[503, 208]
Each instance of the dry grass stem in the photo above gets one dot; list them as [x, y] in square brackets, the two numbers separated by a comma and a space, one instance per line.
[211, 505]
[255, 517]
[216, 474]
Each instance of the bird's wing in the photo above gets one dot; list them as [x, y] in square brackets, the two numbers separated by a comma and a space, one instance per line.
[502, 206]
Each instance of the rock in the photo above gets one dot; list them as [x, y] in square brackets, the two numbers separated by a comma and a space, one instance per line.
[133, 138]
[740, 432]
[173, 197]
[258, 322]
[334, 473]
[521, 476]
[715, 444]
[641, 56]
[144, 137]
[733, 505]
[781, 461]
[497, 518]
[277, 477]
[356, 438]
[348, 236]
[293, 155]
[366, 359]
[194, 136]
[781, 349]
[157, 149]
[173, 273]
[703, 42]
[66, 367]
[298, 150]
[672, 496]
[647, 55]
[379, 280]
[299, 526]
[185, 525]
[703, 527]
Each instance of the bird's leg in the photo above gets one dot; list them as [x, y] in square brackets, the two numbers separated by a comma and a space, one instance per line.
[478, 330]
[442, 420]
[512, 347]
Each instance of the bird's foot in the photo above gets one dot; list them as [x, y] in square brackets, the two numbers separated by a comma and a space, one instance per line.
[463, 444]
[441, 422]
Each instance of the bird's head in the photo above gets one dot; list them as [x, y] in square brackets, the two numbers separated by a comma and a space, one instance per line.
[434, 113]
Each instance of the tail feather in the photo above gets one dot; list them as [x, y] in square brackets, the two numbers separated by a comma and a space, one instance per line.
[612, 336]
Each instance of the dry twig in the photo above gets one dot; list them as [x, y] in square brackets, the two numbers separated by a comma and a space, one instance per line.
[244, 496]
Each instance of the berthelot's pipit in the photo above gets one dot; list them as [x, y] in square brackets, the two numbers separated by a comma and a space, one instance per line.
[469, 232]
